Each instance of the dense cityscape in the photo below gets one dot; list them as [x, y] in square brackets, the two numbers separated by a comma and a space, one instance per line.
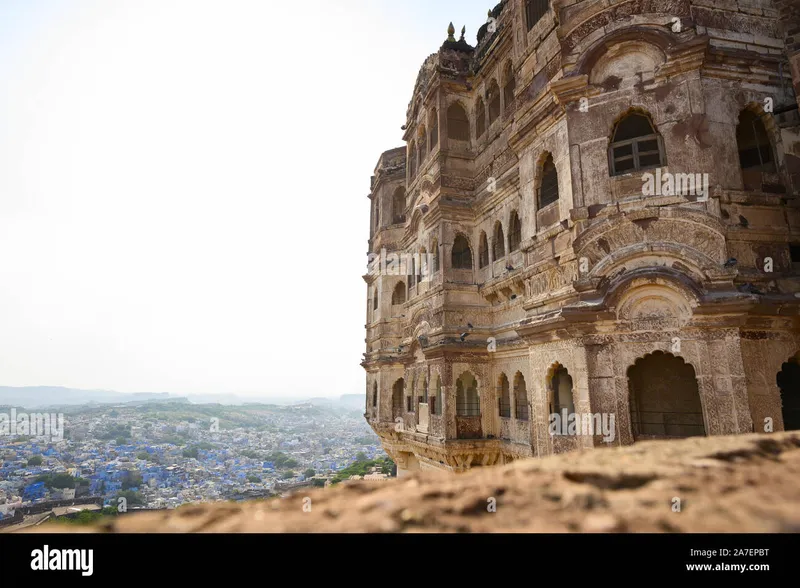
[160, 455]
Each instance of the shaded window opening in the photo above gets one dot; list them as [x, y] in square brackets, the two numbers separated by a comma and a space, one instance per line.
[560, 392]
[480, 119]
[755, 149]
[520, 397]
[434, 132]
[548, 189]
[504, 398]
[493, 97]
[399, 293]
[498, 242]
[514, 232]
[788, 380]
[535, 10]
[399, 206]
[462, 255]
[457, 123]
[483, 251]
[509, 88]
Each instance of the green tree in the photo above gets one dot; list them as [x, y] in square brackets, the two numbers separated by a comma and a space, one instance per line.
[361, 456]
[288, 475]
[134, 480]
[132, 498]
[309, 473]
[121, 440]
[36, 460]
[254, 479]
[191, 452]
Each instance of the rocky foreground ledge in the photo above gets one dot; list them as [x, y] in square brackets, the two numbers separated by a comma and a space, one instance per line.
[745, 483]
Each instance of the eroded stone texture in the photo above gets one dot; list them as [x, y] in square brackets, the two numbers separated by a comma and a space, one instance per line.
[673, 310]
[743, 483]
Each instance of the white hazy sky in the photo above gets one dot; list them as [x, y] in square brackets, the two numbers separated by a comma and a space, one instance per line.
[183, 186]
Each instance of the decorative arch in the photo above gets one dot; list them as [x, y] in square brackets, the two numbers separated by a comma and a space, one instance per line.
[457, 122]
[480, 119]
[399, 293]
[560, 390]
[514, 232]
[503, 396]
[461, 255]
[399, 206]
[635, 143]
[521, 407]
[509, 85]
[546, 181]
[483, 251]
[660, 40]
[493, 99]
[498, 242]
[467, 395]
[665, 398]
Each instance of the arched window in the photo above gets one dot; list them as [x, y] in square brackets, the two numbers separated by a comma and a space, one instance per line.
[377, 215]
[504, 397]
[421, 142]
[635, 145]
[520, 397]
[493, 97]
[422, 391]
[509, 87]
[514, 232]
[424, 270]
[412, 272]
[434, 126]
[467, 398]
[535, 10]
[755, 150]
[462, 254]
[399, 293]
[498, 242]
[399, 206]
[560, 392]
[457, 123]
[548, 188]
[397, 396]
[483, 251]
[412, 160]
[480, 119]
[435, 255]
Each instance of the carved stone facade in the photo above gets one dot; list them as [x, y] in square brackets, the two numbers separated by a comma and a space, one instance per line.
[602, 205]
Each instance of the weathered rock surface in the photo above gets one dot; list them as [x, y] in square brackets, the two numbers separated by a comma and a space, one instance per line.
[745, 483]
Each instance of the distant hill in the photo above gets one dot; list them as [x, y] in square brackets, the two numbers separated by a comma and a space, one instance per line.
[43, 396]
[38, 396]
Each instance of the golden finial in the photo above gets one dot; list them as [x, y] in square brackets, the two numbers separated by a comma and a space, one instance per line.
[451, 31]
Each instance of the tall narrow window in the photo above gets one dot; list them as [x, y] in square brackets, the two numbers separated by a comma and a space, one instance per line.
[399, 293]
[498, 242]
[535, 10]
[514, 232]
[457, 123]
[412, 160]
[483, 251]
[635, 146]
[399, 206]
[480, 119]
[548, 189]
[435, 254]
[520, 398]
[462, 255]
[434, 129]
[421, 142]
[504, 398]
[755, 150]
[510, 86]
[493, 97]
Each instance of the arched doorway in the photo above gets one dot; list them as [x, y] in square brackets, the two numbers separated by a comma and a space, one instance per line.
[397, 398]
[789, 383]
[664, 398]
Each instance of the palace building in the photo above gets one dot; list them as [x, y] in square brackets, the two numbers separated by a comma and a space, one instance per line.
[600, 200]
